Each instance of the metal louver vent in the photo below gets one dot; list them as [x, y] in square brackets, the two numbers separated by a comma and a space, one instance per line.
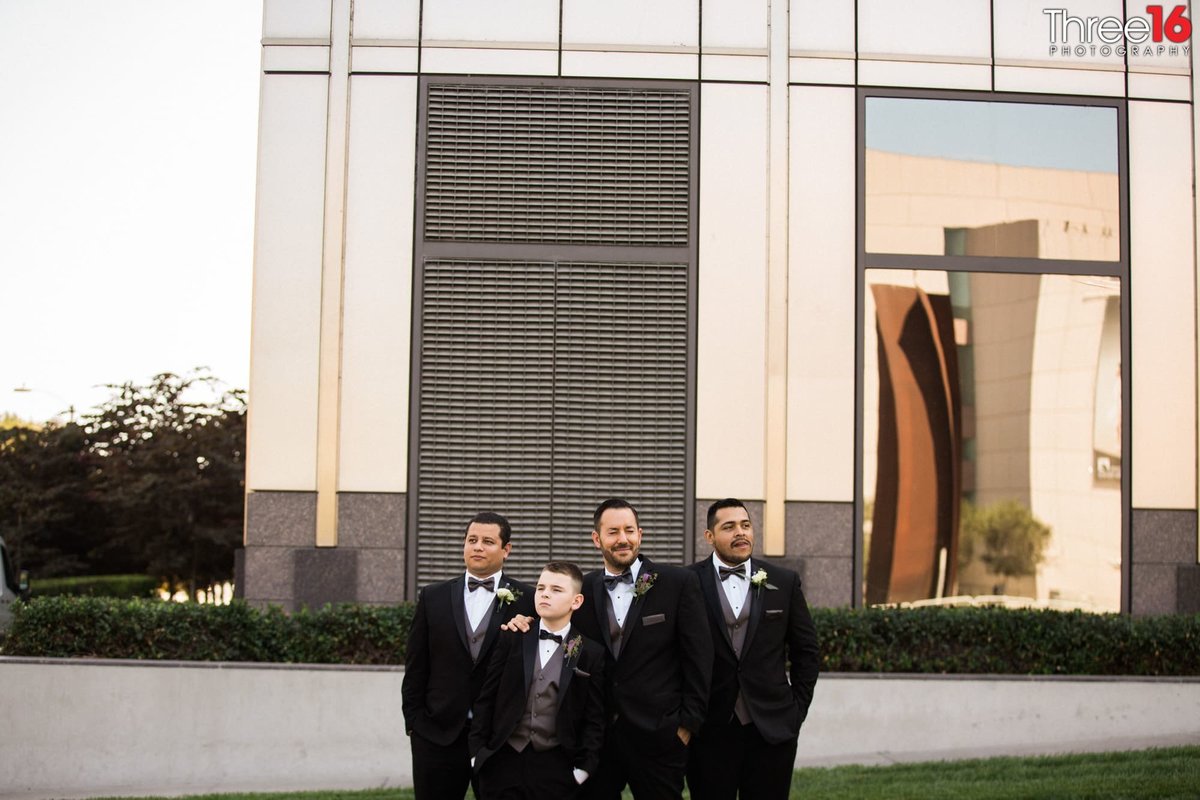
[538, 398]
[578, 164]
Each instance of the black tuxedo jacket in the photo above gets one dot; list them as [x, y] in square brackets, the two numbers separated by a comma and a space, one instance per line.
[440, 680]
[661, 679]
[779, 630]
[505, 693]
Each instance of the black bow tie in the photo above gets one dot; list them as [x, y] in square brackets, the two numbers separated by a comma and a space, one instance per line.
[725, 572]
[480, 583]
[612, 580]
[544, 634]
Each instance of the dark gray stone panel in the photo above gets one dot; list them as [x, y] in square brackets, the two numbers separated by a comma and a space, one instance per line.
[381, 576]
[753, 507]
[268, 575]
[1163, 536]
[827, 582]
[1154, 588]
[1187, 589]
[325, 575]
[820, 529]
[281, 519]
[372, 519]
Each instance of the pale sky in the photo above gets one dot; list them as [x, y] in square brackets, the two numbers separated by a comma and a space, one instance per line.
[127, 165]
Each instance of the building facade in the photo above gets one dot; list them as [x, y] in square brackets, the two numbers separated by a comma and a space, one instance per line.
[916, 281]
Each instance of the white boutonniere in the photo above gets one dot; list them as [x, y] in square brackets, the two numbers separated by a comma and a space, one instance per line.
[759, 579]
[506, 596]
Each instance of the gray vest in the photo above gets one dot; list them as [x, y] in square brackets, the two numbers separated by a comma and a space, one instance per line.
[736, 625]
[614, 630]
[475, 637]
[538, 725]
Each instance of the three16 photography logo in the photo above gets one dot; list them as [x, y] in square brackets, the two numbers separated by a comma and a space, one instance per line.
[1161, 32]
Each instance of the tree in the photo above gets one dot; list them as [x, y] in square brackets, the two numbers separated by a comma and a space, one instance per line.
[171, 460]
[50, 517]
[1011, 540]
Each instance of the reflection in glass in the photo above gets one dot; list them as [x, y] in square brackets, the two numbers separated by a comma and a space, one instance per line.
[992, 438]
[1021, 180]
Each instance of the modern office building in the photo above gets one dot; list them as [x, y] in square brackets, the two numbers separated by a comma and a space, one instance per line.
[917, 281]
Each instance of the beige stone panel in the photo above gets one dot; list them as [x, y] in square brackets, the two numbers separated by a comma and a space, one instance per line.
[289, 214]
[821, 70]
[1159, 87]
[383, 59]
[489, 61]
[735, 23]
[821, 325]
[297, 19]
[954, 29]
[295, 58]
[592, 63]
[662, 23]
[731, 337]
[734, 68]
[925, 75]
[1023, 33]
[490, 21]
[1162, 60]
[821, 26]
[1163, 322]
[1106, 83]
[391, 20]
[377, 304]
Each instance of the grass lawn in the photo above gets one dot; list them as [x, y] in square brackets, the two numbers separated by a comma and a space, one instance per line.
[1162, 773]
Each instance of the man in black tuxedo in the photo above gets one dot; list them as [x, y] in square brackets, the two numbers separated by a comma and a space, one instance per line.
[539, 720]
[659, 658]
[760, 623]
[454, 629]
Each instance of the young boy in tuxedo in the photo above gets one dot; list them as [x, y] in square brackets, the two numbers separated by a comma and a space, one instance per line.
[538, 724]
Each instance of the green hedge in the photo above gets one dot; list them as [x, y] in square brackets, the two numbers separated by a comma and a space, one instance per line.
[95, 586]
[97, 627]
[929, 640]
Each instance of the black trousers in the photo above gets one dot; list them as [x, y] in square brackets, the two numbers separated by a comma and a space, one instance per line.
[441, 772]
[733, 760]
[527, 775]
[652, 763]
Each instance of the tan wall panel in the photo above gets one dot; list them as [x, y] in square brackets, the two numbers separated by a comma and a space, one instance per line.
[731, 362]
[289, 214]
[821, 328]
[1163, 336]
[377, 300]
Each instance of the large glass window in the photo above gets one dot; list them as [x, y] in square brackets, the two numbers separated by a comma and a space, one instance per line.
[992, 353]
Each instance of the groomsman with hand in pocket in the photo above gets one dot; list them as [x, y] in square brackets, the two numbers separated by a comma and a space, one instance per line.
[764, 668]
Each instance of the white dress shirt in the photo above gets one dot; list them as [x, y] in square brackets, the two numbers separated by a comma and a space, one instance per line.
[736, 586]
[477, 601]
[546, 646]
[622, 593]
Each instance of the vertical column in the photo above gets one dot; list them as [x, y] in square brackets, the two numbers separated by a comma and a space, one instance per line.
[774, 526]
[332, 275]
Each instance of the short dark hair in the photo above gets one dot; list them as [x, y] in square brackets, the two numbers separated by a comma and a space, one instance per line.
[568, 568]
[728, 502]
[492, 518]
[611, 503]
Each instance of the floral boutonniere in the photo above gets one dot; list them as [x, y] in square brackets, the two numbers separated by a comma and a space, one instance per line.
[759, 579]
[506, 596]
[574, 646]
[644, 582]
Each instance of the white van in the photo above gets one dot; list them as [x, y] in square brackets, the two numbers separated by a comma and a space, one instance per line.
[13, 586]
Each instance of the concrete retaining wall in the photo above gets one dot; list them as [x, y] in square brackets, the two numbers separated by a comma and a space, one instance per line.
[77, 728]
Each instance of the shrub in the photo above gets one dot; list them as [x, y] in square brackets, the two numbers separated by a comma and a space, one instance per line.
[95, 586]
[1006, 641]
[928, 640]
